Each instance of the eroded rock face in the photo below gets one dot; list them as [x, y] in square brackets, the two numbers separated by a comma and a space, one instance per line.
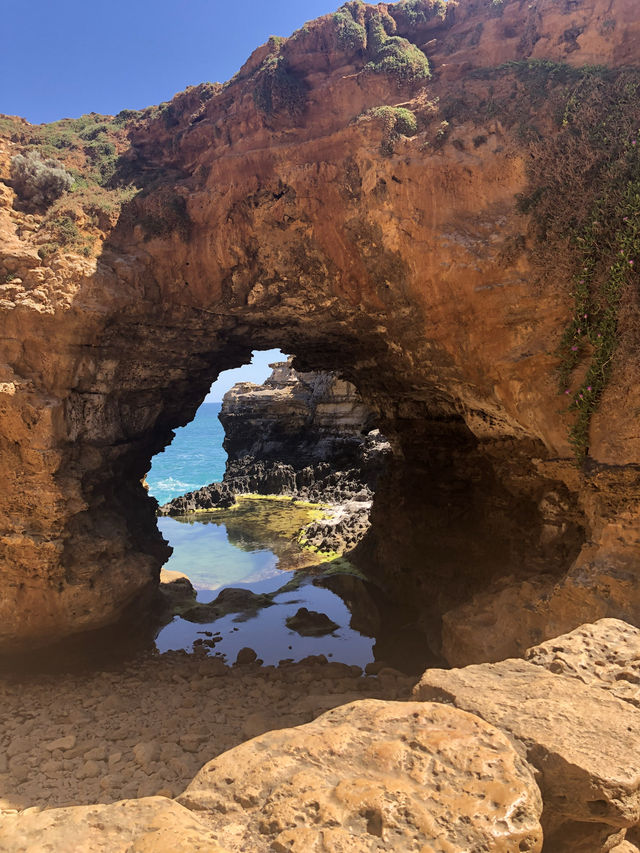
[304, 435]
[149, 825]
[398, 261]
[604, 654]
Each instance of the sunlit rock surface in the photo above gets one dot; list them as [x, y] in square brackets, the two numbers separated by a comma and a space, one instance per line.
[588, 769]
[369, 776]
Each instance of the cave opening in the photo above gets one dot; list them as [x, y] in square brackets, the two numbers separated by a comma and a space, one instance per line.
[263, 498]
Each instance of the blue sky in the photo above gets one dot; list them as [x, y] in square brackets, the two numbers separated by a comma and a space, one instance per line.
[65, 58]
[257, 372]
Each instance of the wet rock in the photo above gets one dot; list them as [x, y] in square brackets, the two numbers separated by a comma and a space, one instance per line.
[246, 656]
[340, 783]
[310, 623]
[176, 591]
[589, 770]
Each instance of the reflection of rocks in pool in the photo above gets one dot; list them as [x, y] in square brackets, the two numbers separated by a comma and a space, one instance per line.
[229, 600]
[259, 524]
[357, 596]
[310, 623]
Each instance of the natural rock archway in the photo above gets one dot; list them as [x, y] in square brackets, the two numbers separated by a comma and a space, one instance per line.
[287, 209]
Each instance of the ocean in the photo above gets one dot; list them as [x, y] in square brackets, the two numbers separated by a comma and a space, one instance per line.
[194, 458]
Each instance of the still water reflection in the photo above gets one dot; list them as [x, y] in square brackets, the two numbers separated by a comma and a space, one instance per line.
[253, 547]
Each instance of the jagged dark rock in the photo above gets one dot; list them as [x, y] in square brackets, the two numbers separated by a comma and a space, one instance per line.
[215, 495]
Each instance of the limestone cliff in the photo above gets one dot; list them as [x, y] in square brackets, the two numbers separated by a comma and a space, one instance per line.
[381, 194]
[295, 418]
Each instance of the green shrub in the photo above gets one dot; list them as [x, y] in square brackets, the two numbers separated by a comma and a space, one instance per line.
[66, 231]
[39, 182]
[350, 35]
[47, 250]
[417, 12]
[394, 55]
[396, 122]
[126, 116]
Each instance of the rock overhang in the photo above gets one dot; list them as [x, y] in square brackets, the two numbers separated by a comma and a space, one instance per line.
[397, 259]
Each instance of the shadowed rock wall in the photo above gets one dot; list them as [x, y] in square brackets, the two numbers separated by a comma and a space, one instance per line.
[398, 261]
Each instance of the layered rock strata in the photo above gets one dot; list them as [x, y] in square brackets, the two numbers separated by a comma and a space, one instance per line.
[305, 435]
[296, 207]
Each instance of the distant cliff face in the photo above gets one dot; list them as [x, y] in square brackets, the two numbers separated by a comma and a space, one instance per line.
[296, 418]
[404, 194]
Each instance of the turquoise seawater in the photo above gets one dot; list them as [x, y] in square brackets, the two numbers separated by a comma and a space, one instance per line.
[194, 458]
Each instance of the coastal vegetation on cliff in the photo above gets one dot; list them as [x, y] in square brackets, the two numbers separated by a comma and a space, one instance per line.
[581, 128]
[585, 195]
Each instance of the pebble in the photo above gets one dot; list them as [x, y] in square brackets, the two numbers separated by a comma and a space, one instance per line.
[63, 743]
[246, 656]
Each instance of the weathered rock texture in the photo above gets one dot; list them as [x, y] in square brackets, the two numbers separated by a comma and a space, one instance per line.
[149, 825]
[588, 769]
[373, 776]
[400, 262]
[605, 654]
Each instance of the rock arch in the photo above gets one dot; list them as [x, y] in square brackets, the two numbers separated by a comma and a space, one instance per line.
[397, 261]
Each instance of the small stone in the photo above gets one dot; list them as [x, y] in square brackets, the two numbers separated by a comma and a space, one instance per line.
[191, 742]
[63, 743]
[98, 753]
[49, 768]
[145, 753]
[90, 770]
[310, 623]
[165, 791]
[19, 770]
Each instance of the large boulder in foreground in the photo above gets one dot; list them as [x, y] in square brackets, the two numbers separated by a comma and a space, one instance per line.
[372, 776]
[583, 742]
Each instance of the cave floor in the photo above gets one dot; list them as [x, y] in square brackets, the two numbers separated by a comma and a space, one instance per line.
[147, 729]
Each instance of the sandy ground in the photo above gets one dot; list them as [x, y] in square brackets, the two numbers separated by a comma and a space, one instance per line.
[148, 728]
